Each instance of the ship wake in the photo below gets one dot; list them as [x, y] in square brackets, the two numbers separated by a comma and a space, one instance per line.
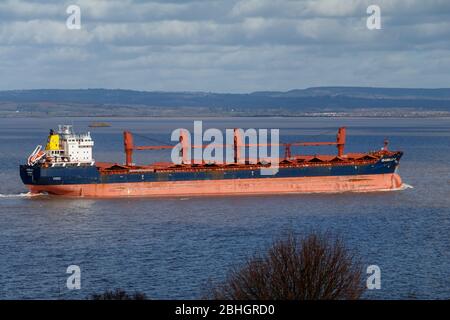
[21, 195]
[405, 186]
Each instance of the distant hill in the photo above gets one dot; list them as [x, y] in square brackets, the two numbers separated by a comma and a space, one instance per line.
[293, 102]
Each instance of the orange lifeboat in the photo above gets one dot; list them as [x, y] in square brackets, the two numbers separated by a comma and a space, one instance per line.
[36, 155]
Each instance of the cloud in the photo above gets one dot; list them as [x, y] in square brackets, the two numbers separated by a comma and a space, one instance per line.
[42, 32]
[223, 45]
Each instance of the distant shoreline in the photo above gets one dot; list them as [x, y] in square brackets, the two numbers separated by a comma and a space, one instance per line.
[418, 115]
[311, 102]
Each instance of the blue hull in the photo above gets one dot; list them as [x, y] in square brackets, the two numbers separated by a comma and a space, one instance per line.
[37, 175]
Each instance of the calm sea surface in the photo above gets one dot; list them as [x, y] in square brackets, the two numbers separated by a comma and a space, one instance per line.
[169, 248]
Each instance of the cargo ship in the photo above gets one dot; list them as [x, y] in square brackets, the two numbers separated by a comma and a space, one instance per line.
[66, 167]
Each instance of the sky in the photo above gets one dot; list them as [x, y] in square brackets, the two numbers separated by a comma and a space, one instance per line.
[224, 46]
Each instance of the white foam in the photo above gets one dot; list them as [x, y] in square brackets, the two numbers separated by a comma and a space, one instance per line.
[20, 195]
[405, 186]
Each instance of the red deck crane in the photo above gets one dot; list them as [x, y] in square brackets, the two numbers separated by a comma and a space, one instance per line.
[237, 143]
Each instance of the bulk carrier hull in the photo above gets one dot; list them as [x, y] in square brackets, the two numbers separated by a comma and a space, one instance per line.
[384, 182]
[376, 172]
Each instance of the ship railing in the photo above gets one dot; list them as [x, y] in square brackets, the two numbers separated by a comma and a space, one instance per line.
[77, 164]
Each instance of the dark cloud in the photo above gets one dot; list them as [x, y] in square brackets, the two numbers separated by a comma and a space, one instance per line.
[227, 45]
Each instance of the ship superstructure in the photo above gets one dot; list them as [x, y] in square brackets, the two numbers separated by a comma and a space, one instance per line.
[64, 147]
